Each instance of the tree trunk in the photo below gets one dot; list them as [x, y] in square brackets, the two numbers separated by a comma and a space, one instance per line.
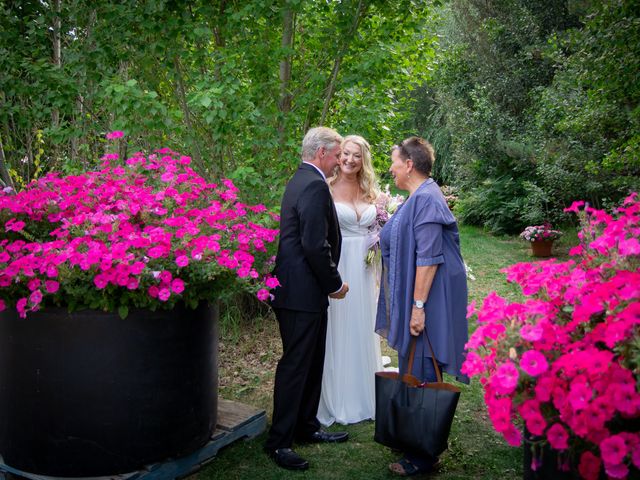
[182, 98]
[57, 57]
[284, 105]
[331, 85]
[4, 172]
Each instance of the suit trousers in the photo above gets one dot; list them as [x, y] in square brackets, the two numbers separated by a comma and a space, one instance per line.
[298, 379]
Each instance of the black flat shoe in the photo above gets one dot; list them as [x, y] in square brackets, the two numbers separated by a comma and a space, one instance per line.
[287, 458]
[326, 437]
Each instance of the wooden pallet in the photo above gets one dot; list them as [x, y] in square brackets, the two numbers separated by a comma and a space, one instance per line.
[235, 421]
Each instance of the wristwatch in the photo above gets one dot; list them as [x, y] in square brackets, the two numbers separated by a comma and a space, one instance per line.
[418, 303]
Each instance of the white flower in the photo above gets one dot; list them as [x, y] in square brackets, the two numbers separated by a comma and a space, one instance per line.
[469, 272]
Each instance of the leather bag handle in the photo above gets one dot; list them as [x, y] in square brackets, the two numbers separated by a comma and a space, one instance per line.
[412, 353]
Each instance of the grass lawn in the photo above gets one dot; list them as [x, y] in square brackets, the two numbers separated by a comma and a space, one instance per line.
[248, 355]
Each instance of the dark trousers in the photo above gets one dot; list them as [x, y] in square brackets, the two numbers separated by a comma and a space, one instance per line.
[298, 377]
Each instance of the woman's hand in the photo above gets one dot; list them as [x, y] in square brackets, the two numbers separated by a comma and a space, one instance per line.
[416, 325]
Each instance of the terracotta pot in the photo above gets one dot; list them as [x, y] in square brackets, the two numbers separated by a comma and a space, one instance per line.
[89, 394]
[542, 248]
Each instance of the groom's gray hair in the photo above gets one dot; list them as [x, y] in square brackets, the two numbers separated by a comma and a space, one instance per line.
[316, 138]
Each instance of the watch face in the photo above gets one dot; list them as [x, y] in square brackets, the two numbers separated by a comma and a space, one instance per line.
[418, 303]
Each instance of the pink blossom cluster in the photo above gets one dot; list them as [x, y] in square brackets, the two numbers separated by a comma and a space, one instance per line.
[386, 205]
[538, 233]
[565, 361]
[147, 232]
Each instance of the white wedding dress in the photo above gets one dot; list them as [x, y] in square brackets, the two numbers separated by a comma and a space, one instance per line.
[353, 349]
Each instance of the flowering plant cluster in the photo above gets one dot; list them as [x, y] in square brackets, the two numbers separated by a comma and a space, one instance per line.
[450, 195]
[146, 233]
[538, 233]
[386, 206]
[566, 361]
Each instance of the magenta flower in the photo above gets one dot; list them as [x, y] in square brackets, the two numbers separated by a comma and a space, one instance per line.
[619, 470]
[164, 294]
[558, 437]
[51, 286]
[177, 286]
[589, 467]
[505, 379]
[580, 395]
[613, 450]
[115, 134]
[182, 261]
[14, 225]
[473, 364]
[533, 362]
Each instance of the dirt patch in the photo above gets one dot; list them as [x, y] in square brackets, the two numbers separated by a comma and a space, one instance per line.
[248, 355]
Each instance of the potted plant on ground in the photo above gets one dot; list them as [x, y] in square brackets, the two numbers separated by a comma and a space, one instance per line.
[541, 238]
[108, 290]
[565, 363]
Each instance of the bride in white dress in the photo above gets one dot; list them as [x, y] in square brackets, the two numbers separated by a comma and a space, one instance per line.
[353, 349]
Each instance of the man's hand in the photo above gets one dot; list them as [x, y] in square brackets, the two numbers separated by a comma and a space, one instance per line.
[416, 325]
[340, 293]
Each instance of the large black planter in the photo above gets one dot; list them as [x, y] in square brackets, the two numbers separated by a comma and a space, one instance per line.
[549, 463]
[548, 466]
[89, 394]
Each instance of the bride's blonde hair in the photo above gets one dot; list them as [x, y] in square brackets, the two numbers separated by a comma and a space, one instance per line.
[366, 176]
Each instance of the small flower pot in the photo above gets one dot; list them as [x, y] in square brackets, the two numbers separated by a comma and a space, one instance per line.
[541, 248]
[88, 394]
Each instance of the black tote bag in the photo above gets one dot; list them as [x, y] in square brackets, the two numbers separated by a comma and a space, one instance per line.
[411, 416]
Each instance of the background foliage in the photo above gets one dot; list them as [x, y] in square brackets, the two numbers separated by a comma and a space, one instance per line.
[233, 83]
[534, 104]
[529, 103]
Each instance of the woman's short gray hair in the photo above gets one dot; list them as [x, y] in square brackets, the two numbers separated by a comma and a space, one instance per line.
[319, 137]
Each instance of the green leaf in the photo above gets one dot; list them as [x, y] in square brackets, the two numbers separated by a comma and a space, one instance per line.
[123, 311]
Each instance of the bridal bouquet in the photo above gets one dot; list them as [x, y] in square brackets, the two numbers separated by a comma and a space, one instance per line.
[386, 206]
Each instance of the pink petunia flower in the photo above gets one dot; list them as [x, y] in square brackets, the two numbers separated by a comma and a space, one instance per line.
[533, 362]
[558, 437]
[115, 134]
[580, 395]
[589, 467]
[613, 450]
[177, 285]
[505, 379]
[619, 470]
[164, 294]
[182, 261]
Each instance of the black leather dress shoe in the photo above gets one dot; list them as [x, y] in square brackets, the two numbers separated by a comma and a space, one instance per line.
[326, 437]
[287, 458]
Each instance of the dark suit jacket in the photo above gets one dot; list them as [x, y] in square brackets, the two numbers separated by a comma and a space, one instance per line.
[310, 241]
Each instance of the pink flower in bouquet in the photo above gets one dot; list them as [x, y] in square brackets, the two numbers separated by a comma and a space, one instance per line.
[386, 205]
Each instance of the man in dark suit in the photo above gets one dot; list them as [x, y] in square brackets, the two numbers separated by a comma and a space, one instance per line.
[306, 266]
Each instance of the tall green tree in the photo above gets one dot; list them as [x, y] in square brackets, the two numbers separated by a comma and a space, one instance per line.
[232, 83]
[534, 104]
